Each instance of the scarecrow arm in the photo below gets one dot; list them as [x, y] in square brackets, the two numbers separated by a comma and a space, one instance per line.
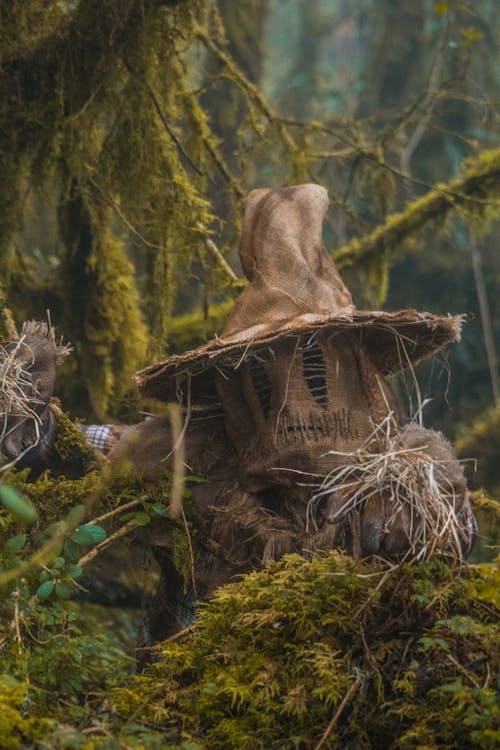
[32, 427]
[27, 376]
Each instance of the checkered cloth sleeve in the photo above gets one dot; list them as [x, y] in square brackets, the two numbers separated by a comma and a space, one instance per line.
[101, 436]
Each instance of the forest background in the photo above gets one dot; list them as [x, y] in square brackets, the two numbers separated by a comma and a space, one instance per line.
[132, 131]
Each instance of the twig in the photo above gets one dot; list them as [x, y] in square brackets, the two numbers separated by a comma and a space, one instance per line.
[191, 553]
[464, 671]
[338, 712]
[129, 526]
[179, 451]
[217, 255]
[486, 324]
[133, 230]
[423, 122]
[171, 133]
[17, 628]
[117, 510]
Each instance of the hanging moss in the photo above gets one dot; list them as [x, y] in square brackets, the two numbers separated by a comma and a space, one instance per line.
[115, 335]
[8, 331]
[101, 102]
[330, 653]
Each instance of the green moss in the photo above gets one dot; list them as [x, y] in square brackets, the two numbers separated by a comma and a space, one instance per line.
[190, 330]
[102, 94]
[17, 729]
[402, 658]
[76, 457]
[8, 330]
[115, 334]
[474, 195]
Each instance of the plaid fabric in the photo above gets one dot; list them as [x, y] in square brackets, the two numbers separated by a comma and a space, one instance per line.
[101, 436]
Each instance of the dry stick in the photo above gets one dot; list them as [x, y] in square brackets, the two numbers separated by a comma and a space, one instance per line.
[178, 460]
[338, 713]
[129, 526]
[133, 230]
[217, 255]
[117, 510]
[488, 337]
[171, 133]
[464, 671]
[191, 553]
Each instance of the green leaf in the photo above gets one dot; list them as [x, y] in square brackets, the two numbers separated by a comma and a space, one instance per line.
[45, 589]
[16, 504]
[452, 687]
[128, 516]
[161, 510]
[15, 544]
[472, 34]
[75, 515]
[58, 562]
[72, 551]
[194, 478]
[88, 535]
[142, 519]
[62, 591]
[441, 8]
[74, 571]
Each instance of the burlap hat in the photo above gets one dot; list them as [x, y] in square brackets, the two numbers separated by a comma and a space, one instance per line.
[295, 289]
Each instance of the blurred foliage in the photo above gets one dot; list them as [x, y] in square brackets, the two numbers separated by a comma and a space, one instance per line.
[480, 442]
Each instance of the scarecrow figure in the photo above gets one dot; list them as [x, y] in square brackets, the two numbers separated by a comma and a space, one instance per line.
[289, 418]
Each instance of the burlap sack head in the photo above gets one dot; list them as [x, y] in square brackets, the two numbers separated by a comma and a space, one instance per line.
[293, 279]
[294, 289]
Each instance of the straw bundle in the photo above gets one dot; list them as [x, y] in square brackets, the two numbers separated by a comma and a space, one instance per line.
[20, 400]
[408, 480]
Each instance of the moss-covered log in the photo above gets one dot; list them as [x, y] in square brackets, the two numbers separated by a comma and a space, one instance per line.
[333, 654]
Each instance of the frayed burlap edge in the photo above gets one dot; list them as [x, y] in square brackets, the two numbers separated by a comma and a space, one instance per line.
[394, 341]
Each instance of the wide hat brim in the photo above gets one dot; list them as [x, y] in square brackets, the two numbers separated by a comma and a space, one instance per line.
[394, 342]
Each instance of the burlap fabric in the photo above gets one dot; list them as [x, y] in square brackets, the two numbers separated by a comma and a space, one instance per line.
[295, 289]
[289, 403]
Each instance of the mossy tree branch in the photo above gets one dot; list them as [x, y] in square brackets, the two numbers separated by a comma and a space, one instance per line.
[475, 194]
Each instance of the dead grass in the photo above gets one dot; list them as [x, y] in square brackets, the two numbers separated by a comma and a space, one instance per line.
[410, 482]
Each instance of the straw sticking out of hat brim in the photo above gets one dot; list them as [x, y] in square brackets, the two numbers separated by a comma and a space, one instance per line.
[393, 340]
